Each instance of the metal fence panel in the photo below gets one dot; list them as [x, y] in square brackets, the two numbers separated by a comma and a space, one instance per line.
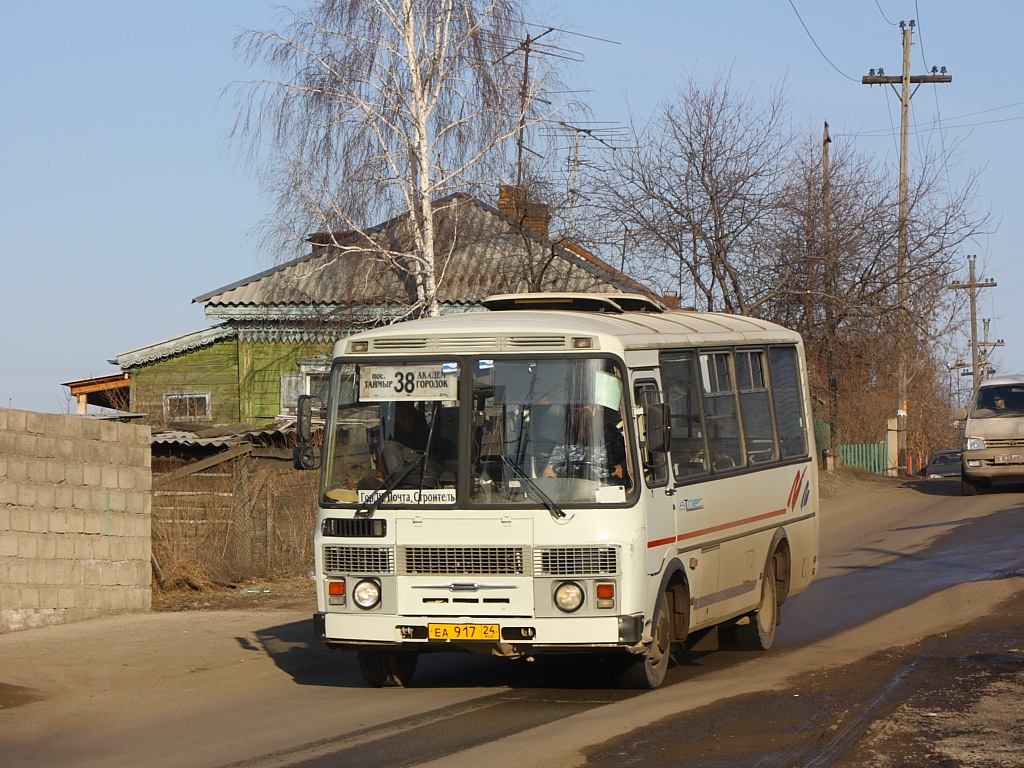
[869, 456]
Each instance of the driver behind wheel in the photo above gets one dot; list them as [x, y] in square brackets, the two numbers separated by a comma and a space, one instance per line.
[580, 456]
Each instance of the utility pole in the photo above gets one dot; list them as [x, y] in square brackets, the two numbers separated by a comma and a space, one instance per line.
[973, 285]
[986, 347]
[902, 289]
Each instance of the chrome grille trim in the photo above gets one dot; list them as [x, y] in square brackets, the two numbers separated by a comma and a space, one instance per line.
[576, 561]
[348, 559]
[463, 561]
[1004, 442]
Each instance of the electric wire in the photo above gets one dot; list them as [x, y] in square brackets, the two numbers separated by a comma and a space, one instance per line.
[809, 35]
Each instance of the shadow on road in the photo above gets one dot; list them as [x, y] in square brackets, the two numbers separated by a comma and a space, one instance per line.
[951, 486]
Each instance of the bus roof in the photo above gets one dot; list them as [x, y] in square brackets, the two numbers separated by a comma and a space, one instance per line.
[513, 329]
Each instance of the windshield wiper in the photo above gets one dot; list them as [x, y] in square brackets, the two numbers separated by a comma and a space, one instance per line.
[553, 509]
[368, 508]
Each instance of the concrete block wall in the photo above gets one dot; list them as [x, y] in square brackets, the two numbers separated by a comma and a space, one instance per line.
[74, 518]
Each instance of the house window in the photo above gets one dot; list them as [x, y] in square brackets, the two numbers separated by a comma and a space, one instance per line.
[314, 380]
[187, 406]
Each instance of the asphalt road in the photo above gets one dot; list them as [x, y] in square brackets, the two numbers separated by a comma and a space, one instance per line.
[911, 572]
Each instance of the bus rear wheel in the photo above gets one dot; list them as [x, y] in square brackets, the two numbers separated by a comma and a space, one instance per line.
[646, 671]
[758, 634]
[387, 668]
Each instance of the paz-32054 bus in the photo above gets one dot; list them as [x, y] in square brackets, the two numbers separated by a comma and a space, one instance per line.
[562, 474]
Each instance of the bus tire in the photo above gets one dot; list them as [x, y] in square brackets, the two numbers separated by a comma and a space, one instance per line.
[646, 671]
[758, 634]
[387, 668]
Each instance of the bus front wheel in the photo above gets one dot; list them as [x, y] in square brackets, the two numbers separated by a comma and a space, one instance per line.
[387, 668]
[647, 670]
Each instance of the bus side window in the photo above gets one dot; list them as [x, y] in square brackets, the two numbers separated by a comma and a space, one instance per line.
[682, 393]
[755, 406]
[785, 381]
[655, 465]
[720, 411]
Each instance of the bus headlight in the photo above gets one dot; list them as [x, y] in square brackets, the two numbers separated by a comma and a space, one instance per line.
[974, 443]
[366, 594]
[568, 596]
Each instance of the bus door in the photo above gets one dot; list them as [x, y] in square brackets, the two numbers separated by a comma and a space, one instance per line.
[691, 461]
[656, 494]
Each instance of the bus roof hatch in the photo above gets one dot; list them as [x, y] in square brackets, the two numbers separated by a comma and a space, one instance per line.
[616, 303]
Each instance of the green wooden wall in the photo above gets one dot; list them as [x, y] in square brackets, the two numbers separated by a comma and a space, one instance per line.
[242, 377]
[212, 369]
[261, 365]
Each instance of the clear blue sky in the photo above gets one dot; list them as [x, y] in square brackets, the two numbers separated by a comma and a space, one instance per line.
[122, 199]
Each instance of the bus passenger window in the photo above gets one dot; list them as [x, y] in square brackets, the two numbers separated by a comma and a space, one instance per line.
[785, 380]
[682, 394]
[720, 412]
[755, 407]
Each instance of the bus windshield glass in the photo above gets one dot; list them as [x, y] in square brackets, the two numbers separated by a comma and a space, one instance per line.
[549, 427]
[539, 430]
[392, 434]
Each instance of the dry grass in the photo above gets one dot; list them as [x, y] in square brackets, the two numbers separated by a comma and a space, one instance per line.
[242, 520]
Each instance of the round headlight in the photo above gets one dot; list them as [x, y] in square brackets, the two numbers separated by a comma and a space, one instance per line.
[366, 594]
[569, 596]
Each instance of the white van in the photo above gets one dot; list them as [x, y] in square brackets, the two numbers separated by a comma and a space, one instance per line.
[993, 445]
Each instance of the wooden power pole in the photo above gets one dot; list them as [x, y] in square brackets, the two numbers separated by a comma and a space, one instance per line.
[902, 289]
[973, 285]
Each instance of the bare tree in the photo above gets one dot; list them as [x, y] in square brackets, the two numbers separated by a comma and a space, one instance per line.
[382, 107]
[699, 194]
[721, 201]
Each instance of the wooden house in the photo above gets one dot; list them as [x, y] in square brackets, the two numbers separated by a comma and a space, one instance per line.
[275, 329]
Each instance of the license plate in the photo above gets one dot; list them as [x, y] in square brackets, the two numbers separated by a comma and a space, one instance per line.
[463, 632]
[1011, 459]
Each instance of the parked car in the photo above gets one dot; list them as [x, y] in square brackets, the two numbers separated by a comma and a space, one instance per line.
[943, 464]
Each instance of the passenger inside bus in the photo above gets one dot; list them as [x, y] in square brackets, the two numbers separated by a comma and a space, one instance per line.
[581, 456]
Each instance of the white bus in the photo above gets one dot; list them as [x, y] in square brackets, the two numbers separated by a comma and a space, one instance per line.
[563, 473]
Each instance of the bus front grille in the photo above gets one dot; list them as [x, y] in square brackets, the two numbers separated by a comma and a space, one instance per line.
[345, 559]
[484, 561]
[576, 561]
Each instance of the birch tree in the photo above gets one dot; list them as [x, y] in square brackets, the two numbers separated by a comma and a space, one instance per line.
[380, 108]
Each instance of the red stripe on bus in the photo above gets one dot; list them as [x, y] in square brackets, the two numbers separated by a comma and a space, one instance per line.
[714, 529]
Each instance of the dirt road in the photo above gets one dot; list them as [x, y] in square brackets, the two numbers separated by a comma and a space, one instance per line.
[908, 651]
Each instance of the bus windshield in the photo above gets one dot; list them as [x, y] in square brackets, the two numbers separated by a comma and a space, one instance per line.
[530, 431]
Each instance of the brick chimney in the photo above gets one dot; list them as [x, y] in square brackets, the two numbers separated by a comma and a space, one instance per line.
[513, 202]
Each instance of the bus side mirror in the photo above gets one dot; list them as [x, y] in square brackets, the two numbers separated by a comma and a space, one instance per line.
[656, 416]
[304, 456]
[959, 414]
[304, 418]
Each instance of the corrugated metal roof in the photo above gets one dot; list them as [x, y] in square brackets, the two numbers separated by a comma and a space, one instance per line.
[257, 435]
[173, 346]
[480, 252]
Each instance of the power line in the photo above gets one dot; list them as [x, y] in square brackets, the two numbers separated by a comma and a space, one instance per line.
[923, 127]
[809, 35]
[883, 14]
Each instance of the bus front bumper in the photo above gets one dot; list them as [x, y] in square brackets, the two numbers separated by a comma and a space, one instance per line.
[569, 633]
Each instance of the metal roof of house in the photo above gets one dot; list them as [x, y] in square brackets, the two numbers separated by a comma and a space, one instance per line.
[173, 346]
[481, 252]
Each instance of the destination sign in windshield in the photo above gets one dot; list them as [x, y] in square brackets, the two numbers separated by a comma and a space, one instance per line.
[431, 381]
